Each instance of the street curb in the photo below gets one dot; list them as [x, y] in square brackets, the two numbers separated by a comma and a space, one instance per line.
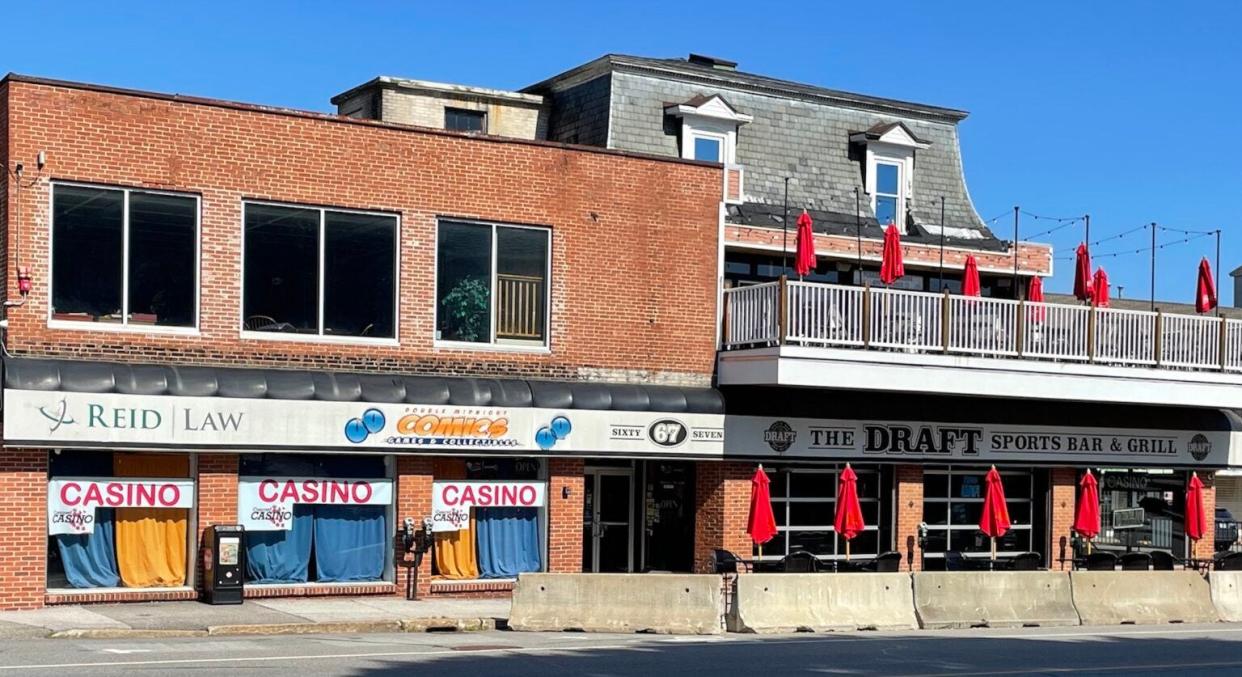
[124, 633]
[443, 624]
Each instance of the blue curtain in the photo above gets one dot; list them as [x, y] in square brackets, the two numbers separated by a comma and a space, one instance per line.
[508, 541]
[281, 556]
[90, 559]
[351, 542]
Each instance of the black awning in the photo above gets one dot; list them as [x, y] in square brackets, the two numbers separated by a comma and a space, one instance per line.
[148, 379]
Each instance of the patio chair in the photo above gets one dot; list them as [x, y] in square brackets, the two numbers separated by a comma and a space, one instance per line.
[725, 562]
[1027, 561]
[1135, 561]
[888, 562]
[800, 562]
[953, 561]
[1101, 561]
[1230, 562]
[1161, 560]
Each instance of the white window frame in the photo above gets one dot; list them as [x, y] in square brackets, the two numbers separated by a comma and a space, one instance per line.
[698, 127]
[493, 344]
[124, 325]
[903, 158]
[831, 474]
[948, 500]
[320, 337]
[722, 139]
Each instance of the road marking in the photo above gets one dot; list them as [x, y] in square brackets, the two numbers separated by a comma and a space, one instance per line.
[1076, 668]
[125, 651]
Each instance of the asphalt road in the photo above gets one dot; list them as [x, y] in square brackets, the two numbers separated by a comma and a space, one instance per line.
[1134, 650]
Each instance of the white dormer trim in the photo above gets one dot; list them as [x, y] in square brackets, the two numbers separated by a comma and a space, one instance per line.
[903, 157]
[715, 108]
[897, 135]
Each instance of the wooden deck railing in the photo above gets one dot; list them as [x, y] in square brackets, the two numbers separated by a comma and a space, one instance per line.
[519, 307]
[816, 314]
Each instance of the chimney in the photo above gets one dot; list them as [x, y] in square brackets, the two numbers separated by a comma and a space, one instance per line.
[1237, 286]
[712, 62]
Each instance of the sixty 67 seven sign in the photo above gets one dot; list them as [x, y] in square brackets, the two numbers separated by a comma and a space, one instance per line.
[110, 420]
[71, 503]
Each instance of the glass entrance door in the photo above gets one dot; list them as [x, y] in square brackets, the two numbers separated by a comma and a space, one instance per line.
[608, 536]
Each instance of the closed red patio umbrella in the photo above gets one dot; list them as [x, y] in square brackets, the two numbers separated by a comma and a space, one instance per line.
[1196, 521]
[849, 518]
[1205, 292]
[994, 521]
[1087, 509]
[804, 260]
[970, 277]
[1099, 288]
[1035, 294]
[760, 523]
[1082, 274]
[891, 266]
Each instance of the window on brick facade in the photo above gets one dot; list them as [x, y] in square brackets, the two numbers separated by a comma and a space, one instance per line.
[493, 542]
[953, 503]
[461, 120]
[492, 283]
[321, 272]
[124, 257]
[804, 504]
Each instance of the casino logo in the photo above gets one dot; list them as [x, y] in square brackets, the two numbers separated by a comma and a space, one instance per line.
[780, 436]
[1199, 447]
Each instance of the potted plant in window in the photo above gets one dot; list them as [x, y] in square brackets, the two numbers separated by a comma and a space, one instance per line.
[465, 310]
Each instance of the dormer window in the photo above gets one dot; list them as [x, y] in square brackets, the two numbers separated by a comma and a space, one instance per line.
[889, 170]
[708, 128]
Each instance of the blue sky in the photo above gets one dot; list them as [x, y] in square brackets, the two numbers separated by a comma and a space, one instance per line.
[1123, 111]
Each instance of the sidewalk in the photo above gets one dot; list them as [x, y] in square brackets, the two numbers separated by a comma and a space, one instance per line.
[303, 615]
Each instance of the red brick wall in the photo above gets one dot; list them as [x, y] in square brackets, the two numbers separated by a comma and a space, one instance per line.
[1033, 258]
[217, 500]
[908, 505]
[722, 504]
[23, 528]
[565, 515]
[414, 477]
[1062, 496]
[639, 230]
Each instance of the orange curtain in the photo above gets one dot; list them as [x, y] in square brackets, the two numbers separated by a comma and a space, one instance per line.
[454, 553]
[151, 542]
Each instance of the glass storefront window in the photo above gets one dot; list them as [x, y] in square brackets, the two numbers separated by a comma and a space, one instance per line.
[118, 520]
[499, 542]
[315, 519]
[804, 504]
[953, 504]
[1162, 496]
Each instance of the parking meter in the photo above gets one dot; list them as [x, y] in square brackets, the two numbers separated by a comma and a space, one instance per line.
[223, 564]
[416, 543]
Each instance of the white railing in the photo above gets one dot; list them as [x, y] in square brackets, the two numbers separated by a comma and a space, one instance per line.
[907, 320]
[816, 314]
[983, 326]
[1188, 341]
[825, 314]
[1056, 331]
[751, 314]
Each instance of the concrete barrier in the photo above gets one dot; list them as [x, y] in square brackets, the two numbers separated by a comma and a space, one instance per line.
[821, 602]
[996, 599]
[661, 603]
[1227, 594]
[1114, 597]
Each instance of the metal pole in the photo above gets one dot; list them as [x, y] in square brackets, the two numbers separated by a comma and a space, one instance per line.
[941, 243]
[1153, 266]
[1216, 274]
[1016, 293]
[1087, 242]
[858, 230]
[785, 231]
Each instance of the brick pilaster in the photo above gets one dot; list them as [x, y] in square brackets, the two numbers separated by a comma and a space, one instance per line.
[23, 528]
[1062, 497]
[908, 506]
[565, 515]
[414, 477]
[722, 501]
[1205, 547]
[217, 499]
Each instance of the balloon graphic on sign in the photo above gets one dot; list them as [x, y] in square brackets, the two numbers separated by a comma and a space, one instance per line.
[373, 420]
[355, 430]
[547, 436]
[561, 427]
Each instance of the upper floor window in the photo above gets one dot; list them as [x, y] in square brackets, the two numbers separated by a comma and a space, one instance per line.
[709, 128]
[461, 120]
[124, 257]
[492, 283]
[320, 272]
[708, 147]
[888, 200]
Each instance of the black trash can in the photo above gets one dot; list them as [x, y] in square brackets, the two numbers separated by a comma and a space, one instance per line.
[224, 564]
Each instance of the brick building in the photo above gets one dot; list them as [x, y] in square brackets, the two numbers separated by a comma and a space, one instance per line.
[308, 323]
